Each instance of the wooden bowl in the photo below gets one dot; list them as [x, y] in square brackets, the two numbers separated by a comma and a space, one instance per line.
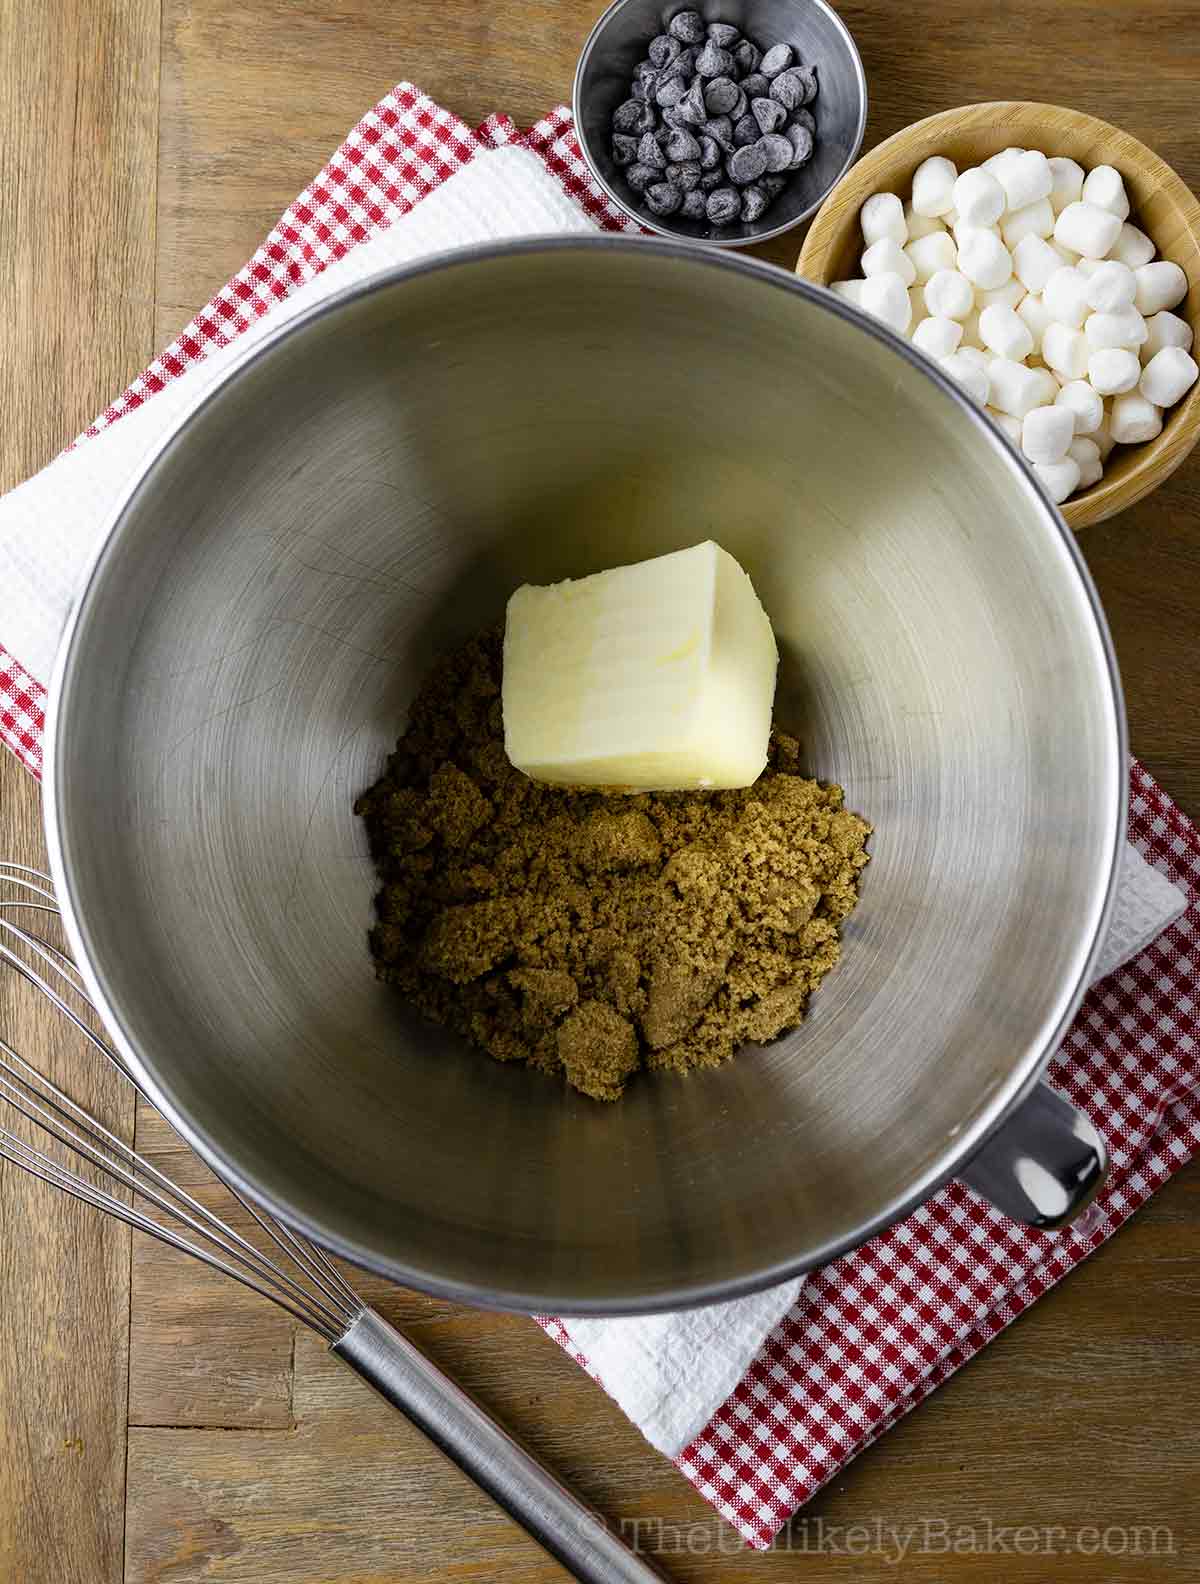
[1162, 206]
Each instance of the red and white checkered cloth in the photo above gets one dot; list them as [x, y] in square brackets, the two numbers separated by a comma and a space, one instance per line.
[876, 1331]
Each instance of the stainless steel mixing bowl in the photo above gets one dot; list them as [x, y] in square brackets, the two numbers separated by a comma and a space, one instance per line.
[363, 491]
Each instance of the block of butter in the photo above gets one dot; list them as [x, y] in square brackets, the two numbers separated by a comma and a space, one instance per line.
[654, 677]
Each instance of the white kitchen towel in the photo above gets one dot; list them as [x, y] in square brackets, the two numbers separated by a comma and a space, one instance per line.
[435, 185]
[50, 524]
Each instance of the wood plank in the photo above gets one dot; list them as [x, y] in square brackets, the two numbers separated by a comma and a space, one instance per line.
[78, 112]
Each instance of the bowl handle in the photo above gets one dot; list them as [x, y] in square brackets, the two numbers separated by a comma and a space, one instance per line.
[1044, 1165]
[577, 1537]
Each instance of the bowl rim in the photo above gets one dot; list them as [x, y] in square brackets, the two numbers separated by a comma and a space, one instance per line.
[1155, 460]
[648, 222]
[1001, 1102]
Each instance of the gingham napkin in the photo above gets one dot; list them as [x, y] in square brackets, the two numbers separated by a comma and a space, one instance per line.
[759, 1401]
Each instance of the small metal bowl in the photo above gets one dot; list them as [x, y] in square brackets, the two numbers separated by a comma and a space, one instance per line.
[620, 40]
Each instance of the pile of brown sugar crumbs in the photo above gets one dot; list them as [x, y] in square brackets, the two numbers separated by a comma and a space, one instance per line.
[591, 934]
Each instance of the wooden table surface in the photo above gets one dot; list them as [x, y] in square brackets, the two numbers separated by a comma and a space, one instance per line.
[157, 1426]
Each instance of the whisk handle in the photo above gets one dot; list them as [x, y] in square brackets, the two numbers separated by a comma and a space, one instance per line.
[571, 1532]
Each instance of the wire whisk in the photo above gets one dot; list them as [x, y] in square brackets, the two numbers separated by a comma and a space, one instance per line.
[103, 1171]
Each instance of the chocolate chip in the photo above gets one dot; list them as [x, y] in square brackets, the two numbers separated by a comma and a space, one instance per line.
[778, 58]
[710, 153]
[681, 145]
[691, 106]
[664, 49]
[754, 204]
[723, 33]
[626, 116]
[746, 164]
[769, 114]
[624, 148]
[801, 140]
[670, 92]
[720, 95]
[649, 152]
[694, 205]
[685, 175]
[720, 129]
[755, 85]
[778, 150]
[711, 179]
[795, 87]
[687, 27]
[745, 132]
[714, 61]
[804, 118]
[746, 57]
[724, 205]
[663, 198]
[640, 176]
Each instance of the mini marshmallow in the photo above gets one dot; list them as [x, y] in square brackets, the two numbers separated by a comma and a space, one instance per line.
[1105, 188]
[1082, 402]
[1168, 376]
[933, 186]
[1133, 247]
[983, 259]
[1033, 311]
[1159, 285]
[850, 290]
[1065, 297]
[1005, 157]
[883, 216]
[1113, 370]
[1015, 389]
[949, 294]
[921, 225]
[1025, 179]
[978, 198]
[932, 253]
[1059, 479]
[1065, 350]
[1134, 420]
[1126, 329]
[1088, 267]
[1009, 426]
[973, 379]
[1111, 287]
[886, 297]
[1006, 296]
[980, 356]
[1066, 179]
[1048, 386]
[1036, 219]
[1006, 335]
[960, 230]
[886, 257]
[1165, 330]
[1085, 228]
[1046, 432]
[937, 337]
[1034, 261]
[1086, 453]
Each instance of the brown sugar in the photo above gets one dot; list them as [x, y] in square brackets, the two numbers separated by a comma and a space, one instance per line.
[590, 934]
